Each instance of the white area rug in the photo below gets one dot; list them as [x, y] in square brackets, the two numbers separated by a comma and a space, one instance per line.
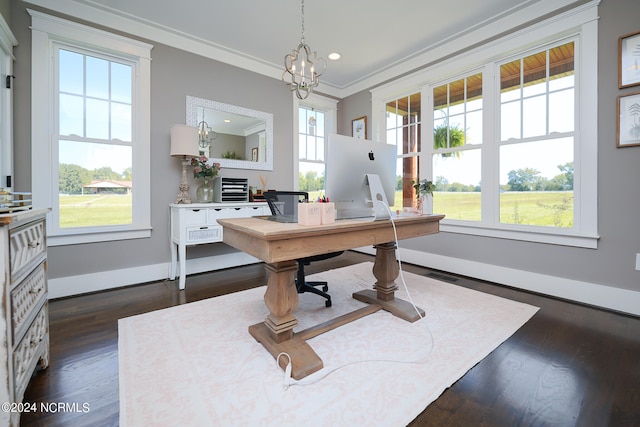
[197, 365]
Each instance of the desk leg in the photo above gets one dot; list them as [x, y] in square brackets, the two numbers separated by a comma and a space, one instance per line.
[276, 332]
[386, 270]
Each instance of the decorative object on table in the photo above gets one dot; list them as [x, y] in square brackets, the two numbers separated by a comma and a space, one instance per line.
[14, 201]
[424, 195]
[206, 171]
[184, 143]
[303, 68]
[206, 135]
[628, 120]
[263, 181]
[629, 60]
[359, 127]
[230, 189]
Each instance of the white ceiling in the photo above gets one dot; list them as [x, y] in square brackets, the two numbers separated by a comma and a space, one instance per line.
[373, 36]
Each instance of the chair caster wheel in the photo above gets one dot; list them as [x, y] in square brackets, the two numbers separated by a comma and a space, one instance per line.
[325, 288]
[327, 303]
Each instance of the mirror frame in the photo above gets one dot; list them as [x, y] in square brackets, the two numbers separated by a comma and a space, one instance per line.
[193, 103]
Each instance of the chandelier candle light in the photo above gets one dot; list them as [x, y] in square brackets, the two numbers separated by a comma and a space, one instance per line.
[184, 143]
[303, 68]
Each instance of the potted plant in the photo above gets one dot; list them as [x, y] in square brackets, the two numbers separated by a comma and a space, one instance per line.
[424, 195]
[206, 171]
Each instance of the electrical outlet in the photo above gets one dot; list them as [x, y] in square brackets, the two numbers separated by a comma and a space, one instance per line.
[638, 262]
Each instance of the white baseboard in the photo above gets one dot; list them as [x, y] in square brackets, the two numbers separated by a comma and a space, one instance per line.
[621, 300]
[93, 282]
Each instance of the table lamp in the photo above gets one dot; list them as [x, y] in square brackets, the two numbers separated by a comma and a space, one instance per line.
[184, 143]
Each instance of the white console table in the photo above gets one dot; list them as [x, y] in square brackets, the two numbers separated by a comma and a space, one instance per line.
[196, 224]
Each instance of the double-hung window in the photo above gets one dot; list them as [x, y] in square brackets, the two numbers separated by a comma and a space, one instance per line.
[315, 119]
[537, 138]
[403, 129]
[311, 149]
[91, 162]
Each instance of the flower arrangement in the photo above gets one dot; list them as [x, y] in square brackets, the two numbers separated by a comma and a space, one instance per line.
[202, 169]
[423, 187]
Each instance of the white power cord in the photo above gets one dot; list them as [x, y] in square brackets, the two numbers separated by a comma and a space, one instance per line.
[287, 380]
[320, 375]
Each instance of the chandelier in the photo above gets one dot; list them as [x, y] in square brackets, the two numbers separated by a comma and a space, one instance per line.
[303, 68]
[206, 135]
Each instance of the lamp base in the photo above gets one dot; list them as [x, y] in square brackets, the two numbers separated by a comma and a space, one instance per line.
[183, 196]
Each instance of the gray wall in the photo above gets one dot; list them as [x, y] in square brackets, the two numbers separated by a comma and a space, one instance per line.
[613, 262]
[174, 75]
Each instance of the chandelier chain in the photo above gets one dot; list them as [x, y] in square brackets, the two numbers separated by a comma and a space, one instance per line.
[302, 21]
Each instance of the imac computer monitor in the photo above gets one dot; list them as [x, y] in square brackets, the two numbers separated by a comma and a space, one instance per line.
[350, 165]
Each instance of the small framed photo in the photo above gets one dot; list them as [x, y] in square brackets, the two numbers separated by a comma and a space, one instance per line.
[254, 154]
[359, 127]
[629, 120]
[629, 60]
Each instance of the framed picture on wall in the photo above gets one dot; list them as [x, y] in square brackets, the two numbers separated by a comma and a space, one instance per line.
[629, 60]
[359, 127]
[254, 154]
[629, 120]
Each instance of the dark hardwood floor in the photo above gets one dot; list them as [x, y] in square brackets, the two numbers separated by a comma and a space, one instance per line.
[570, 365]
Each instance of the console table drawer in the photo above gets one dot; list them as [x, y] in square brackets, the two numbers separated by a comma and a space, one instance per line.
[195, 216]
[27, 243]
[25, 299]
[234, 212]
[204, 234]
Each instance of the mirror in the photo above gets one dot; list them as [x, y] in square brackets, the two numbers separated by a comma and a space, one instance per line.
[237, 137]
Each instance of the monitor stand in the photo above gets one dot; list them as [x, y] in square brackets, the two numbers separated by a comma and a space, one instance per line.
[378, 197]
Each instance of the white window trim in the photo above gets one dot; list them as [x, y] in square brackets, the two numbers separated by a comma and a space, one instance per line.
[46, 30]
[7, 42]
[330, 108]
[581, 22]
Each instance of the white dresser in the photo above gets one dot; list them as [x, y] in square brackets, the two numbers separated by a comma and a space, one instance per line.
[196, 224]
[24, 323]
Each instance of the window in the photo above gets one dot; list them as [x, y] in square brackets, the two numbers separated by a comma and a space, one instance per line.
[509, 139]
[457, 153]
[96, 178]
[403, 127]
[537, 138]
[311, 146]
[94, 144]
[314, 120]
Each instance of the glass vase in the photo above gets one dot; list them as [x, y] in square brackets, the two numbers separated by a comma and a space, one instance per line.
[204, 192]
[425, 204]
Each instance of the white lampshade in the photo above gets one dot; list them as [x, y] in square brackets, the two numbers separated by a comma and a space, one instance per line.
[184, 141]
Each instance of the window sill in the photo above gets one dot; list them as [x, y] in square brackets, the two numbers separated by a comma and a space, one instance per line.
[524, 233]
[96, 237]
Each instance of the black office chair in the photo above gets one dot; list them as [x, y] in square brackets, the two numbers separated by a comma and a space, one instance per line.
[284, 204]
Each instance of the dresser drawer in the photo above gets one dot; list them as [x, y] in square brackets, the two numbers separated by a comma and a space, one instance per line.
[27, 246]
[26, 298]
[27, 353]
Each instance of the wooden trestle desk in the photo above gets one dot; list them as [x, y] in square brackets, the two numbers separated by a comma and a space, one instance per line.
[279, 244]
